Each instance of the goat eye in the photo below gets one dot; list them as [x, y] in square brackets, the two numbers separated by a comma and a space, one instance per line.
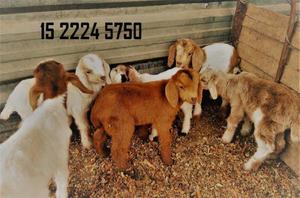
[88, 72]
[103, 77]
[190, 53]
[181, 87]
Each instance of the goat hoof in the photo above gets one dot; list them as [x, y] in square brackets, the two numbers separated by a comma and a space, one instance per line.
[183, 133]
[168, 162]
[86, 144]
[226, 140]
[251, 166]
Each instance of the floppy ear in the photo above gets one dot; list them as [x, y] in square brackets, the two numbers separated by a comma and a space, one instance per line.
[198, 58]
[34, 94]
[171, 54]
[72, 78]
[172, 93]
[133, 74]
[212, 90]
[107, 71]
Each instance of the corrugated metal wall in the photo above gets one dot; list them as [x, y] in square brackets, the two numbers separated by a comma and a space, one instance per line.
[21, 47]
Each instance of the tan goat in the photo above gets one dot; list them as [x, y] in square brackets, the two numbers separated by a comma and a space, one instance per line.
[272, 108]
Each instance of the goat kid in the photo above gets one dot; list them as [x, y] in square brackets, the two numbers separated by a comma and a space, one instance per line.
[39, 150]
[19, 100]
[93, 72]
[261, 101]
[129, 73]
[121, 107]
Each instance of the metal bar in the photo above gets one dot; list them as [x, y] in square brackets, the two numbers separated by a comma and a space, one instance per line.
[105, 5]
[285, 50]
[240, 13]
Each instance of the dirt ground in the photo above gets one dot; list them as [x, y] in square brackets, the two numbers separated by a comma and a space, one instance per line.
[203, 167]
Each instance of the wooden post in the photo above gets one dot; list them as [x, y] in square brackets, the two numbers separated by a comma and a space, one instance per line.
[285, 49]
[240, 13]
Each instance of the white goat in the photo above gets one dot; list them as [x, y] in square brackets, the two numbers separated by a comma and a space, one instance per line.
[93, 72]
[37, 152]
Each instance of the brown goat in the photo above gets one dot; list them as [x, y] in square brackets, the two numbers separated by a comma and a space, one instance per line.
[272, 108]
[121, 107]
[51, 80]
[187, 54]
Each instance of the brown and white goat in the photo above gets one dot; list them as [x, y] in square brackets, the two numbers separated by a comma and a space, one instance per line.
[39, 150]
[264, 103]
[121, 107]
[187, 54]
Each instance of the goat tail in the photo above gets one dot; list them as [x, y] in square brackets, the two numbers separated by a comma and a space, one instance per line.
[6, 112]
[295, 130]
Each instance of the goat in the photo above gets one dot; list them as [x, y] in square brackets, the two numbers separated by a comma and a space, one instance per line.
[217, 56]
[261, 101]
[18, 100]
[187, 54]
[130, 74]
[121, 107]
[93, 72]
[39, 150]
[122, 73]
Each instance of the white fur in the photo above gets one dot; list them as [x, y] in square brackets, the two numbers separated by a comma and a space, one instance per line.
[218, 57]
[165, 75]
[78, 102]
[263, 151]
[18, 100]
[246, 127]
[153, 134]
[37, 152]
[257, 116]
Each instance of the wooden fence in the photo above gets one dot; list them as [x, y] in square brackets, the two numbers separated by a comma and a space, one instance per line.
[162, 22]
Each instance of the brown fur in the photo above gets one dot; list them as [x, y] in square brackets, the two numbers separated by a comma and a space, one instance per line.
[121, 107]
[247, 93]
[51, 80]
[187, 54]
[234, 61]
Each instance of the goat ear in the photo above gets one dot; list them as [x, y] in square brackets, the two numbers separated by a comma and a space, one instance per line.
[133, 74]
[198, 58]
[107, 71]
[72, 78]
[34, 95]
[212, 90]
[171, 54]
[172, 93]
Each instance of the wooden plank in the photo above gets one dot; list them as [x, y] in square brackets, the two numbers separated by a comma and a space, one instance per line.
[275, 32]
[294, 59]
[23, 68]
[267, 16]
[290, 78]
[29, 23]
[249, 67]
[39, 48]
[265, 63]
[296, 37]
[254, 62]
[261, 43]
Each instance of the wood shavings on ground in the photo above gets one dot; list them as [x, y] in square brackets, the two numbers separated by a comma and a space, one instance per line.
[203, 167]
